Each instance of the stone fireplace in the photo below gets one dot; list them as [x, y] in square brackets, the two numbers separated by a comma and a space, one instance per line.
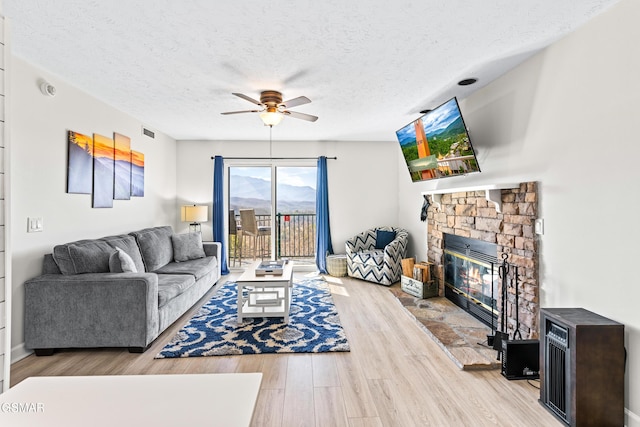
[503, 217]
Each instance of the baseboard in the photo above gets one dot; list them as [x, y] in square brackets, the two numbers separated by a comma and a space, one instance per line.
[631, 419]
[19, 352]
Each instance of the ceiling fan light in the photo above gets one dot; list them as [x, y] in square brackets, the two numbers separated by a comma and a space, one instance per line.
[271, 118]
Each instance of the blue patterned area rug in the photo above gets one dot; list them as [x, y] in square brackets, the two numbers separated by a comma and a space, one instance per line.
[314, 326]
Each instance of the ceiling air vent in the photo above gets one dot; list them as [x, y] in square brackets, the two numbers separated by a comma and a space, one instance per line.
[148, 132]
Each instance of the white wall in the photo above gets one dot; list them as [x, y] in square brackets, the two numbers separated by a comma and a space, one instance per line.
[567, 118]
[38, 177]
[362, 181]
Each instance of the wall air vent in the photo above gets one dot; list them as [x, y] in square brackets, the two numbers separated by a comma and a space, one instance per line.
[148, 132]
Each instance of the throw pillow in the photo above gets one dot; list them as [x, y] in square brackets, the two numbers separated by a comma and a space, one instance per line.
[126, 262]
[121, 262]
[187, 246]
[114, 263]
[383, 238]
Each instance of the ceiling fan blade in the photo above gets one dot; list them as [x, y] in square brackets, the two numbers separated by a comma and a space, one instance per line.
[301, 100]
[240, 112]
[248, 98]
[303, 116]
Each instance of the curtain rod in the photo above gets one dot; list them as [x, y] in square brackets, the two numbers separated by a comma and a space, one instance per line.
[274, 158]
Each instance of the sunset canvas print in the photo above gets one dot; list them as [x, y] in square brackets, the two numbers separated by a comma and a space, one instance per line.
[122, 161]
[137, 174]
[103, 171]
[79, 163]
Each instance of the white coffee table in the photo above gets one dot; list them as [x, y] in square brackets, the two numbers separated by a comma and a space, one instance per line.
[268, 295]
[132, 400]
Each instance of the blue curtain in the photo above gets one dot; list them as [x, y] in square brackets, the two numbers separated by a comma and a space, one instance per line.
[218, 210]
[323, 233]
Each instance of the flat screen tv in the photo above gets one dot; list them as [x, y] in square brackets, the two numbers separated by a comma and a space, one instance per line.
[437, 145]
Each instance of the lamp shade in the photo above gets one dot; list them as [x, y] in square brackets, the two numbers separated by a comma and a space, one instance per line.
[193, 213]
[271, 118]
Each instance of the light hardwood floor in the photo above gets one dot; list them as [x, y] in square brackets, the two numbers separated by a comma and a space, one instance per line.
[395, 375]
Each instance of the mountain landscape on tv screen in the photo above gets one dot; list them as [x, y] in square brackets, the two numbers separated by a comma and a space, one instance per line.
[452, 133]
[447, 138]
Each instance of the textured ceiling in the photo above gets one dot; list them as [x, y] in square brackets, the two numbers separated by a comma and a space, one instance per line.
[369, 67]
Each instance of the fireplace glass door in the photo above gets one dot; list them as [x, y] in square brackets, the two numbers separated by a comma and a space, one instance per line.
[473, 279]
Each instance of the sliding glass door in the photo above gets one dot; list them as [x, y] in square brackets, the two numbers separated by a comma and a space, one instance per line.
[295, 222]
[271, 213]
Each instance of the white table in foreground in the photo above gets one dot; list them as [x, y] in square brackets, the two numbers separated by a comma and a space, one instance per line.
[269, 295]
[220, 400]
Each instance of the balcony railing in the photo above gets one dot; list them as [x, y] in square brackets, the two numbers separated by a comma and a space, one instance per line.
[294, 235]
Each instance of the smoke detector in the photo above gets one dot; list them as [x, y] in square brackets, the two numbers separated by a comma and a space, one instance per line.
[47, 89]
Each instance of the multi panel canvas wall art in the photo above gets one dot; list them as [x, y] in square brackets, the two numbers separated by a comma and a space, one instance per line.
[122, 177]
[137, 174]
[104, 167]
[79, 163]
[103, 171]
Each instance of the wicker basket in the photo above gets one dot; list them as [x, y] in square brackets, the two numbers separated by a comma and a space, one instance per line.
[337, 265]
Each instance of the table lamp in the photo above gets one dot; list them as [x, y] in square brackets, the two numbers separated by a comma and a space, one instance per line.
[195, 215]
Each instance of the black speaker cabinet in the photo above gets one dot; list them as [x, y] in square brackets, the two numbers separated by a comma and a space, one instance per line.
[582, 372]
[520, 359]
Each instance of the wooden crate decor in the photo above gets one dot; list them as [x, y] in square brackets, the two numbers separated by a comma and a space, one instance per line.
[419, 289]
[420, 284]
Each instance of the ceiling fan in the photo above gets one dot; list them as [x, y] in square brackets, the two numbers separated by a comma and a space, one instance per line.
[274, 109]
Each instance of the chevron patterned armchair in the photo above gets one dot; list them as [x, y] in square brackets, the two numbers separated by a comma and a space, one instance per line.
[376, 254]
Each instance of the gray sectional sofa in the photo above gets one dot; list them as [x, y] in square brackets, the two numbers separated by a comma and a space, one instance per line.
[92, 295]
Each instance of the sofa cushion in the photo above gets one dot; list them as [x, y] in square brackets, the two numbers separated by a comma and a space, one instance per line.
[49, 265]
[383, 238]
[121, 262]
[196, 267]
[92, 256]
[155, 246]
[172, 285]
[187, 246]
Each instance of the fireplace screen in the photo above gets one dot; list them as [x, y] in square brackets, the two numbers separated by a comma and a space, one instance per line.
[471, 276]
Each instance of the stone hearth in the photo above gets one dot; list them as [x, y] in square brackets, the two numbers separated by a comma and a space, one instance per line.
[461, 336]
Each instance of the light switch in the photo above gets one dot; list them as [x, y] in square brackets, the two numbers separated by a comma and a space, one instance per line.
[539, 226]
[34, 225]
